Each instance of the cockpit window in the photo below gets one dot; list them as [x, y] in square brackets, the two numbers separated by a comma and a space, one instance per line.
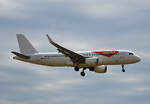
[131, 54]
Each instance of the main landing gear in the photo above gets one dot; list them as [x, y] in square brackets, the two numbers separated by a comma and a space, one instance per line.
[77, 69]
[123, 70]
[83, 73]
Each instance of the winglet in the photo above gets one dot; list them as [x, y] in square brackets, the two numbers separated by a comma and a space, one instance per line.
[50, 40]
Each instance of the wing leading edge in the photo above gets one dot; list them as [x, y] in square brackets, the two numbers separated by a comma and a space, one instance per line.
[75, 57]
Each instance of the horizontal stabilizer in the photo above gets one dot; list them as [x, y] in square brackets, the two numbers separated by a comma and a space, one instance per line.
[21, 55]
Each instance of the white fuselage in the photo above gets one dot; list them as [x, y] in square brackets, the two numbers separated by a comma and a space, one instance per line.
[104, 58]
[96, 61]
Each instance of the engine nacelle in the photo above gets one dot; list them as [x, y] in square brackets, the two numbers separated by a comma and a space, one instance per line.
[92, 61]
[100, 69]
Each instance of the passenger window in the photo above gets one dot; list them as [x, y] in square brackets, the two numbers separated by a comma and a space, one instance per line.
[130, 53]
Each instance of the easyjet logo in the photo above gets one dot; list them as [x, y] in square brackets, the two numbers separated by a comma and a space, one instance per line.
[106, 53]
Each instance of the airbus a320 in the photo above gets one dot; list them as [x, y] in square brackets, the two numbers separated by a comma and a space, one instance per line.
[96, 61]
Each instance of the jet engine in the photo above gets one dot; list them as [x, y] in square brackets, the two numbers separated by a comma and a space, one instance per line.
[100, 69]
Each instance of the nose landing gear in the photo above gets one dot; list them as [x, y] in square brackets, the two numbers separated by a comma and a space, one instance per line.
[123, 70]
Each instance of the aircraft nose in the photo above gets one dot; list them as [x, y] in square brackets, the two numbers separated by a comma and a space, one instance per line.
[138, 59]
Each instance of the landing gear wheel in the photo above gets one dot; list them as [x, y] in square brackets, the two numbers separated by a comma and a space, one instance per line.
[76, 68]
[82, 74]
[123, 70]
[91, 68]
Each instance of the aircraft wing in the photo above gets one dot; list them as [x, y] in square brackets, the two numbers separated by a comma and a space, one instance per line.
[75, 57]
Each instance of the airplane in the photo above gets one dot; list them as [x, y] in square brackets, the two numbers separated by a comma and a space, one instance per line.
[95, 61]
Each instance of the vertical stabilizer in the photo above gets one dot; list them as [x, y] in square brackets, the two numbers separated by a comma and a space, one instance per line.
[24, 45]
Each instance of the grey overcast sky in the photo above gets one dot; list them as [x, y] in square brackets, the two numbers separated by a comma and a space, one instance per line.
[77, 25]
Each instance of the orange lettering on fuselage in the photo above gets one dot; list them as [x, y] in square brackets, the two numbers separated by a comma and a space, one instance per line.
[106, 53]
